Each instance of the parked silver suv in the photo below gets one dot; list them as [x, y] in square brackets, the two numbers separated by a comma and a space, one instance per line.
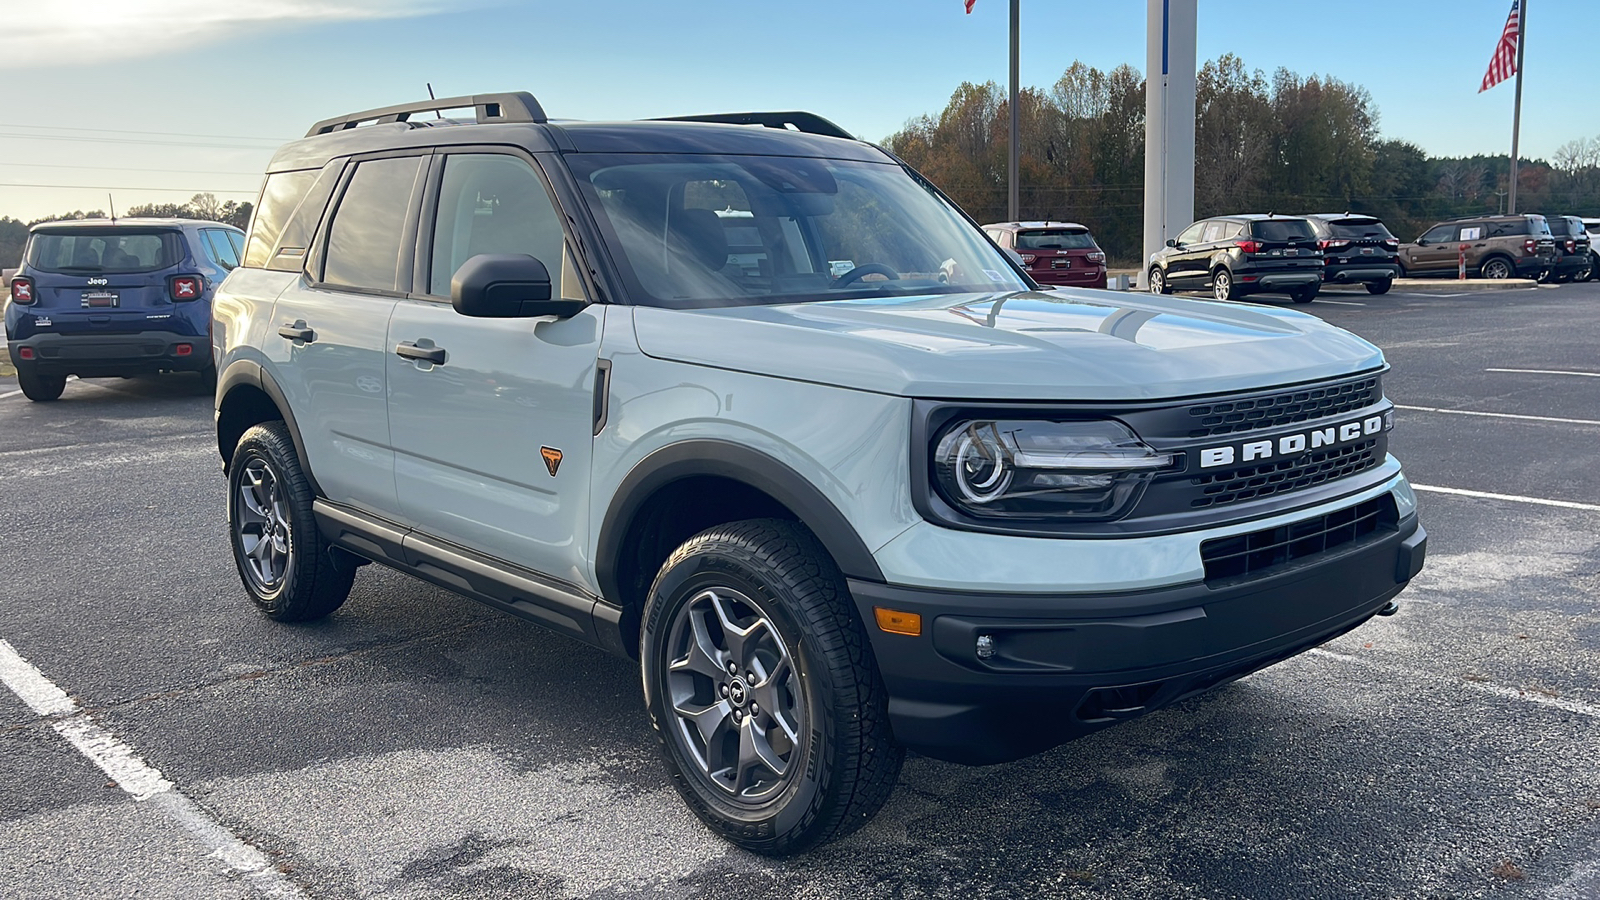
[753, 403]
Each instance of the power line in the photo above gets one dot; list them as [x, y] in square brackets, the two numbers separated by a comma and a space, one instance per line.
[111, 187]
[91, 140]
[126, 169]
[230, 137]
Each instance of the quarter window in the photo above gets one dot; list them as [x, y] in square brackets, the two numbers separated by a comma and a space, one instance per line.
[220, 248]
[491, 203]
[369, 224]
[279, 197]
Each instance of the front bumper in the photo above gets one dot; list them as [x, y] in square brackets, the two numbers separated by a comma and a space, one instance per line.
[106, 355]
[1066, 665]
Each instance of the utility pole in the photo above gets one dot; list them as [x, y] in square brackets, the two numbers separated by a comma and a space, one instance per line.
[1014, 191]
[1516, 115]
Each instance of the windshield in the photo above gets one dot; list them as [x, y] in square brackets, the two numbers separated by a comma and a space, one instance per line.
[1358, 228]
[112, 250]
[1054, 240]
[695, 231]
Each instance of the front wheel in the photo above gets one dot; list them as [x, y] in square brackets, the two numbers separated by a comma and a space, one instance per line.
[1158, 281]
[1379, 287]
[40, 388]
[762, 686]
[287, 567]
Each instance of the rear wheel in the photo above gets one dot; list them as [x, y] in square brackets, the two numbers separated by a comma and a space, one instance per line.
[288, 568]
[40, 388]
[1497, 267]
[1594, 266]
[1379, 287]
[762, 686]
[1305, 294]
[1222, 285]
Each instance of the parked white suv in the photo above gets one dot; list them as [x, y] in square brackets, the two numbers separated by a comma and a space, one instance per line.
[759, 407]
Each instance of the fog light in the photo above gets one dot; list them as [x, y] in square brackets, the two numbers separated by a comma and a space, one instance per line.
[896, 622]
[24, 353]
[985, 646]
[182, 350]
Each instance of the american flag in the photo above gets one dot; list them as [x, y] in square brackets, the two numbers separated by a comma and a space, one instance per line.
[1504, 63]
[969, 6]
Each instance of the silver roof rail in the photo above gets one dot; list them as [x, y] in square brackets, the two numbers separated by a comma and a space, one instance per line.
[517, 106]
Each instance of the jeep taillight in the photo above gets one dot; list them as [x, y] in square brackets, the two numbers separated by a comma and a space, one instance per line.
[22, 291]
[1251, 246]
[1096, 256]
[182, 288]
[1028, 258]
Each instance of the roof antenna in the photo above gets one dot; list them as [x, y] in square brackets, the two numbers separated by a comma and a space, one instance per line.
[436, 113]
[113, 204]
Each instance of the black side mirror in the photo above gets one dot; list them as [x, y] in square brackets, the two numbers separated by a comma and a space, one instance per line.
[507, 286]
[1172, 242]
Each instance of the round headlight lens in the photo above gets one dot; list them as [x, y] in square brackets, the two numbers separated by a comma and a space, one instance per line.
[980, 464]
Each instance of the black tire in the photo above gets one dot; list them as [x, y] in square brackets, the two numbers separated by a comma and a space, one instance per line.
[1379, 287]
[1594, 265]
[1496, 267]
[1157, 281]
[1222, 286]
[1304, 294]
[782, 592]
[40, 388]
[314, 579]
[1545, 276]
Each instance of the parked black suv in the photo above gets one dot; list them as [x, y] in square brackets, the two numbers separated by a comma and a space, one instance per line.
[1237, 255]
[1573, 259]
[1356, 250]
[107, 297]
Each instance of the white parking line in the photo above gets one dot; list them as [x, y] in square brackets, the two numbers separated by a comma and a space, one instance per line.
[1485, 495]
[1495, 415]
[1487, 687]
[1546, 372]
[143, 782]
[1340, 302]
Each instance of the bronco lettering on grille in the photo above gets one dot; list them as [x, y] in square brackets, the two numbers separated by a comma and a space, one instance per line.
[1294, 444]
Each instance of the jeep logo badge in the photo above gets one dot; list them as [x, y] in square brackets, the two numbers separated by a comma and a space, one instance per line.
[96, 282]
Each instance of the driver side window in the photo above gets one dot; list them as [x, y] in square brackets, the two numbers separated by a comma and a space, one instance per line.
[1439, 233]
[490, 203]
[1191, 235]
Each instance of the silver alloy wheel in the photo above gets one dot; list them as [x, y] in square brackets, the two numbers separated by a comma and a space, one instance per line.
[1221, 284]
[1158, 281]
[738, 701]
[261, 523]
[1496, 269]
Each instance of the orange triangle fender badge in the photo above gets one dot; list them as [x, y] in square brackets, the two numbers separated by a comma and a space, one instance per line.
[552, 459]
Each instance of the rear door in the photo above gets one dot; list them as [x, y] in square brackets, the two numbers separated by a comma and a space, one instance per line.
[493, 440]
[105, 280]
[330, 347]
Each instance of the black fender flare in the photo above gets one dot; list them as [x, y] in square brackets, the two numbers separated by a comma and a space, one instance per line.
[726, 459]
[249, 373]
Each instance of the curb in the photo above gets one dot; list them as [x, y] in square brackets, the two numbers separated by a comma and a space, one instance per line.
[1444, 285]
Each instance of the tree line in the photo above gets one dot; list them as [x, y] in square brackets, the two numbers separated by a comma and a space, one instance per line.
[14, 232]
[1288, 144]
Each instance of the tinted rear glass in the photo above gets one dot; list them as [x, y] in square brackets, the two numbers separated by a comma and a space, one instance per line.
[1358, 228]
[1563, 226]
[105, 250]
[1537, 225]
[1282, 230]
[1054, 240]
[279, 197]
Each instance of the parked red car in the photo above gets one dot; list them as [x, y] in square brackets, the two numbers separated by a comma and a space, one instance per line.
[1062, 253]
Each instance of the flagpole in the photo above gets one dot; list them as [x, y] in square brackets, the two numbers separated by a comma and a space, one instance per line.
[1516, 114]
[1013, 194]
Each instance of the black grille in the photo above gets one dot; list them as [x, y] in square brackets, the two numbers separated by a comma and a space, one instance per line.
[1287, 408]
[1267, 479]
[1259, 551]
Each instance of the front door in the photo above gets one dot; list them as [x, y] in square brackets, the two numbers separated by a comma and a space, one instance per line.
[1439, 254]
[1186, 269]
[492, 446]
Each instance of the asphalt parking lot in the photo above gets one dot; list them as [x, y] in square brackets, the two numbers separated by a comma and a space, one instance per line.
[418, 745]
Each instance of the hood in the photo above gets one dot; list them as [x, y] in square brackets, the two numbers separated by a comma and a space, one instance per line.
[1057, 345]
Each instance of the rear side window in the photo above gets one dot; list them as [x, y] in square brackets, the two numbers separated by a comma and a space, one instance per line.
[1282, 230]
[221, 250]
[279, 197]
[1358, 228]
[290, 255]
[1059, 239]
[105, 250]
[1511, 227]
[369, 225]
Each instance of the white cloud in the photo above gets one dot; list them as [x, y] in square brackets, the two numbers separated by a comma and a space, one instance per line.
[47, 32]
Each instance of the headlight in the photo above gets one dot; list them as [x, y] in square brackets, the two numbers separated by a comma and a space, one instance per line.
[1026, 468]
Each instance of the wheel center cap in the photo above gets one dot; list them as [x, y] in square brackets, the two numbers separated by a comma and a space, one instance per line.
[737, 693]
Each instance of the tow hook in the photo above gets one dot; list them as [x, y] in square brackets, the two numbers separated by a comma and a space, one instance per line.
[1390, 608]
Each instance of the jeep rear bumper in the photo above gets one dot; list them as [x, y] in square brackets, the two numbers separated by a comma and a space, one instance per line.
[1058, 667]
[106, 355]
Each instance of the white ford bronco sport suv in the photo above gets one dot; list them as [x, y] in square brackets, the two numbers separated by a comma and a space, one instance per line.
[753, 403]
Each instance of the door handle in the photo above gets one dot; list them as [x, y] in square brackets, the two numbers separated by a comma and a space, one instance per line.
[297, 332]
[420, 353]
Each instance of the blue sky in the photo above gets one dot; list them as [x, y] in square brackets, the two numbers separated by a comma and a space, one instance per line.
[170, 97]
